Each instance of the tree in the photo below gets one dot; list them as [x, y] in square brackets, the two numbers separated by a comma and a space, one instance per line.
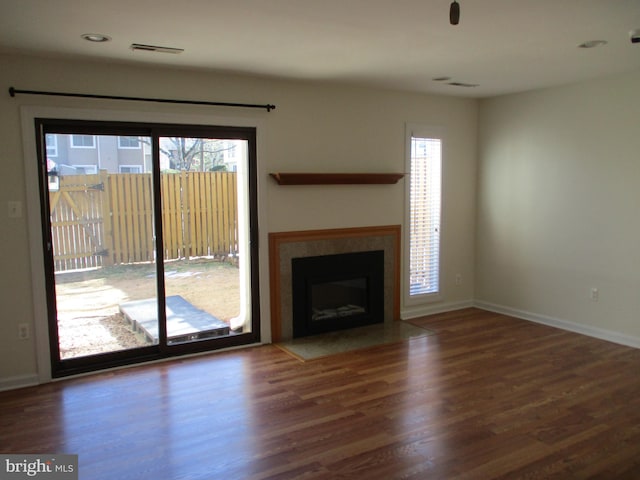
[195, 154]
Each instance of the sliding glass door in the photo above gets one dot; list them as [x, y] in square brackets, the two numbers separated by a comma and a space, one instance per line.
[147, 235]
[204, 219]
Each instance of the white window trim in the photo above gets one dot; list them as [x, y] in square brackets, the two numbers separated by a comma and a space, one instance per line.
[92, 147]
[420, 131]
[125, 147]
[138, 167]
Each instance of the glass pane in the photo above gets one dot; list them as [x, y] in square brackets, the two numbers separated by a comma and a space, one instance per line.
[102, 240]
[338, 299]
[425, 216]
[205, 232]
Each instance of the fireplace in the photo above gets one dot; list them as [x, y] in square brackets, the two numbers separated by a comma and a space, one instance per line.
[285, 246]
[334, 292]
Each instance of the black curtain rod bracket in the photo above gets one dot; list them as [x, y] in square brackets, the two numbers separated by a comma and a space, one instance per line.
[14, 91]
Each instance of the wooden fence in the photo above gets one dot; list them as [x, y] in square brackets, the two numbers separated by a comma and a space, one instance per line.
[107, 219]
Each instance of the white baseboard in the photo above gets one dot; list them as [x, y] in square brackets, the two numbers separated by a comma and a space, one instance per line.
[600, 333]
[20, 381]
[422, 310]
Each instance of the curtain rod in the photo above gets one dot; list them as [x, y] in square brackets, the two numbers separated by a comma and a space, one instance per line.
[14, 91]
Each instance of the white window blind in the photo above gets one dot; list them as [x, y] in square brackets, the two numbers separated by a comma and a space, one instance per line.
[424, 216]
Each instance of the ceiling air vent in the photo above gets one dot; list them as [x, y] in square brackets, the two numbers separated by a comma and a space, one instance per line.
[461, 84]
[155, 48]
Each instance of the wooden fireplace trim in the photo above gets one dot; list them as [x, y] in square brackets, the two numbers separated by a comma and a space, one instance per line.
[276, 239]
[336, 178]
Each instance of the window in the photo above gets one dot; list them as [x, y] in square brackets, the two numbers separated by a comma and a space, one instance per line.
[129, 142]
[85, 169]
[51, 141]
[83, 141]
[424, 164]
[231, 150]
[130, 169]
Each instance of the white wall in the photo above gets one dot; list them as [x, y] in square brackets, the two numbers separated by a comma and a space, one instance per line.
[559, 206]
[315, 128]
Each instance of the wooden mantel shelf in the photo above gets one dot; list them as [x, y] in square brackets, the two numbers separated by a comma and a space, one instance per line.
[336, 178]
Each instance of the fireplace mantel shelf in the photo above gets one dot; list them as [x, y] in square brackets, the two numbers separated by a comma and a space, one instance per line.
[336, 178]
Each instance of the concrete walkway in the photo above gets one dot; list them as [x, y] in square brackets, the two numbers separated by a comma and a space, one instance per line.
[185, 322]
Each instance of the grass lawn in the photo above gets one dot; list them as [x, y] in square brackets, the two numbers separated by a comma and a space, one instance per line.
[89, 320]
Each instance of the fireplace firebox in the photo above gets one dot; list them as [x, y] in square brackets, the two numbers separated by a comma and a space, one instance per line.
[334, 292]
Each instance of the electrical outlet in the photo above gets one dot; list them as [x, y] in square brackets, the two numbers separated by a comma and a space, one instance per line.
[23, 331]
[458, 279]
[595, 294]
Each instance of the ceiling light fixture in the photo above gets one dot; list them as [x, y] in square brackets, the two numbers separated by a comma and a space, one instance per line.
[96, 37]
[454, 13]
[592, 44]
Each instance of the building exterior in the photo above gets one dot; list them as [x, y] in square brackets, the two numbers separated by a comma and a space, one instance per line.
[86, 154]
[72, 154]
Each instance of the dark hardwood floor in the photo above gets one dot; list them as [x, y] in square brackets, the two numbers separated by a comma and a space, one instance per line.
[486, 397]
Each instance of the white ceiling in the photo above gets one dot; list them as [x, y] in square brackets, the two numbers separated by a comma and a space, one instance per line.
[502, 45]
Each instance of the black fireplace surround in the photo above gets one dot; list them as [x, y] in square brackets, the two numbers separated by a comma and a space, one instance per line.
[334, 292]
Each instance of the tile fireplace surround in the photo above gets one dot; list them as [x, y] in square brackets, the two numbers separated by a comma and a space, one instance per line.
[284, 246]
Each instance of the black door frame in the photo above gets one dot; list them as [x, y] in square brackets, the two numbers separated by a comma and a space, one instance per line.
[72, 366]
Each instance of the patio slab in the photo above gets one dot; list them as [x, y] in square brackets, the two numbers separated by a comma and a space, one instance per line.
[185, 322]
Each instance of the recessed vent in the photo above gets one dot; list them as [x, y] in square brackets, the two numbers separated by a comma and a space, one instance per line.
[461, 84]
[155, 48]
